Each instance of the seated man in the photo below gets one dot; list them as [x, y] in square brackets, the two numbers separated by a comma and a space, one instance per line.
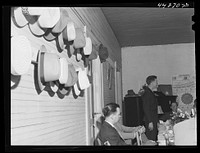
[108, 133]
[168, 115]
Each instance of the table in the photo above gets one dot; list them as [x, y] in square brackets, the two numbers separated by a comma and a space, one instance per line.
[165, 134]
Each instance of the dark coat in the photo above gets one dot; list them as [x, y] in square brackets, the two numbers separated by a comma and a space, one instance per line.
[150, 106]
[110, 134]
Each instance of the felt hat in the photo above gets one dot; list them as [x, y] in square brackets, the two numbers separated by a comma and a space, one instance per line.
[83, 79]
[93, 54]
[88, 47]
[48, 67]
[49, 17]
[79, 41]
[72, 76]
[103, 53]
[21, 55]
[64, 71]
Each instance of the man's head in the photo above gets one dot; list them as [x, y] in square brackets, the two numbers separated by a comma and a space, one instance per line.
[111, 112]
[174, 106]
[152, 82]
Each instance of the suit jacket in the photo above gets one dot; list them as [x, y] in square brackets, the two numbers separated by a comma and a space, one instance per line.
[110, 134]
[150, 106]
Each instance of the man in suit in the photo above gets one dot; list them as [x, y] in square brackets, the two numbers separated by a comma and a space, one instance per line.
[150, 105]
[108, 133]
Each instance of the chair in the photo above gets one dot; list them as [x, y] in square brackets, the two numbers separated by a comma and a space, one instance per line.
[99, 143]
[139, 138]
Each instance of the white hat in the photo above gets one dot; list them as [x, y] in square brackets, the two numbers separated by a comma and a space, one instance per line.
[36, 29]
[21, 55]
[76, 90]
[49, 17]
[19, 17]
[83, 79]
[88, 47]
[69, 32]
[23, 15]
[63, 71]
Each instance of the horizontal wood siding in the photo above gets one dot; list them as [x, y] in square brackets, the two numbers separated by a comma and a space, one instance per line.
[46, 118]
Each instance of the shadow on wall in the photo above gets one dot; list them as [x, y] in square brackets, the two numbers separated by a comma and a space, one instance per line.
[15, 79]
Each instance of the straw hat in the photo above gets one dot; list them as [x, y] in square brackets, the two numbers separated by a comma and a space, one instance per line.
[65, 25]
[83, 79]
[69, 33]
[19, 17]
[48, 67]
[21, 55]
[88, 47]
[72, 76]
[79, 41]
[49, 17]
[64, 71]
[25, 15]
[76, 90]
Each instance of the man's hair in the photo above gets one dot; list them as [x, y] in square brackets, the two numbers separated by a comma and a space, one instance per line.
[150, 79]
[174, 102]
[109, 109]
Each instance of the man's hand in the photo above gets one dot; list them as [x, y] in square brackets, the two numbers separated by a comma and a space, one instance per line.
[150, 126]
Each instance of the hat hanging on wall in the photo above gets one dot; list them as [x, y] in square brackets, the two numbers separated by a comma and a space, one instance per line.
[13, 29]
[76, 64]
[72, 76]
[64, 23]
[88, 47]
[25, 15]
[103, 53]
[21, 55]
[19, 18]
[64, 71]
[76, 90]
[60, 43]
[69, 32]
[49, 17]
[93, 54]
[79, 41]
[48, 67]
[83, 79]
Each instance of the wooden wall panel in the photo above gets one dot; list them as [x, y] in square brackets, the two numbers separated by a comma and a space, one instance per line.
[46, 118]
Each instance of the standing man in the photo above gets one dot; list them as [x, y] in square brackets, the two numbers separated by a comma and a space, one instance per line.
[150, 107]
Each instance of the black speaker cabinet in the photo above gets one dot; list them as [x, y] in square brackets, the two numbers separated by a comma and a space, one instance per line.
[133, 111]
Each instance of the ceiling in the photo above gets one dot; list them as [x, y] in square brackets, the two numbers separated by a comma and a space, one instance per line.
[138, 26]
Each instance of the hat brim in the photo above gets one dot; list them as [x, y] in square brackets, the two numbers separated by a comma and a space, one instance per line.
[49, 35]
[53, 86]
[36, 30]
[19, 18]
[40, 66]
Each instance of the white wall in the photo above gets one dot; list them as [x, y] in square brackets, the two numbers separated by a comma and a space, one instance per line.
[161, 60]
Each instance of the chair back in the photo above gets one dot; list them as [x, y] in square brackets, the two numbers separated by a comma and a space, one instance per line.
[139, 138]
